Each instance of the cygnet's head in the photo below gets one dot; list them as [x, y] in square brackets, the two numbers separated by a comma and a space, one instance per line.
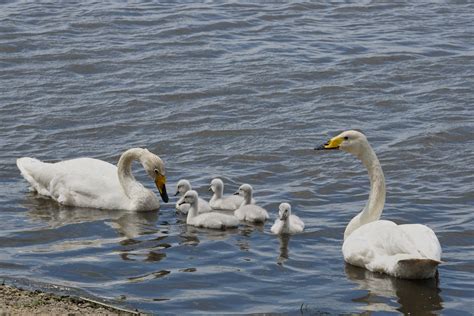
[353, 142]
[190, 197]
[217, 186]
[245, 190]
[155, 168]
[183, 186]
[284, 211]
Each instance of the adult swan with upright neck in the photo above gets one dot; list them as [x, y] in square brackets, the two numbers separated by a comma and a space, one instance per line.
[89, 182]
[409, 251]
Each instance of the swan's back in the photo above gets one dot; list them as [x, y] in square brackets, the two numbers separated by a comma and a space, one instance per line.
[215, 220]
[83, 182]
[296, 224]
[251, 213]
[203, 207]
[37, 173]
[383, 246]
[228, 203]
[425, 240]
[41, 175]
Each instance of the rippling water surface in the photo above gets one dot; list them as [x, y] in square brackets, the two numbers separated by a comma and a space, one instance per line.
[244, 92]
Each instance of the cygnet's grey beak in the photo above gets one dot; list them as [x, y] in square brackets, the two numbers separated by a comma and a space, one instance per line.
[183, 202]
[236, 193]
[177, 192]
[210, 189]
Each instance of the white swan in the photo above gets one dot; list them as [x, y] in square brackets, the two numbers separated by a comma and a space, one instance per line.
[287, 223]
[88, 182]
[405, 251]
[218, 202]
[247, 211]
[182, 187]
[214, 220]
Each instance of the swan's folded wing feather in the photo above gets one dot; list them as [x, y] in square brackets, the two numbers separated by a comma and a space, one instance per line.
[98, 192]
[204, 206]
[424, 239]
[377, 242]
[276, 227]
[37, 173]
[297, 221]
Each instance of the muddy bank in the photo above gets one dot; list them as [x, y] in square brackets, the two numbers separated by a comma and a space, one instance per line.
[18, 301]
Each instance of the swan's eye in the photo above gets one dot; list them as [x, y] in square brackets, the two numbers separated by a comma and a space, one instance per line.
[156, 171]
[346, 138]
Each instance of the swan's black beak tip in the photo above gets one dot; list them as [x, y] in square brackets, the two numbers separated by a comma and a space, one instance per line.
[164, 195]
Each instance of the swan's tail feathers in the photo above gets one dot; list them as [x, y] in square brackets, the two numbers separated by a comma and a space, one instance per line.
[417, 268]
[35, 172]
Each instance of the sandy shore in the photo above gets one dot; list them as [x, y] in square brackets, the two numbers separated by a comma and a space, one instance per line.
[14, 301]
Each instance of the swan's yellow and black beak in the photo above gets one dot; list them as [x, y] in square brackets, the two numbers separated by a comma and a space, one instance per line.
[333, 143]
[160, 181]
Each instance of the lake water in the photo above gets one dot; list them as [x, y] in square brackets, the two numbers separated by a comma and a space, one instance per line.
[244, 92]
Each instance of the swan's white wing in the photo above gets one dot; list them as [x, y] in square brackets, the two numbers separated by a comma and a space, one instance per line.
[277, 226]
[424, 239]
[40, 175]
[98, 192]
[234, 200]
[295, 220]
[378, 246]
[204, 206]
[37, 173]
[215, 220]
[251, 213]
[84, 182]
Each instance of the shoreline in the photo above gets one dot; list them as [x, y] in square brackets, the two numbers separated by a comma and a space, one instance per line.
[15, 300]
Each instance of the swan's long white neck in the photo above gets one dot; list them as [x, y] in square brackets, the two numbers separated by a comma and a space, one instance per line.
[193, 211]
[248, 198]
[124, 169]
[374, 206]
[286, 224]
[218, 191]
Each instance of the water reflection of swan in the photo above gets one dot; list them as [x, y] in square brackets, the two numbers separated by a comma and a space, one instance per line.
[416, 297]
[284, 241]
[127, 224]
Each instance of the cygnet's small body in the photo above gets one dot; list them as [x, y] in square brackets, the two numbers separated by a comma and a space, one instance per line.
[219, 202]
[287, 223]
[182, 187]
[247, 211]
[212, 220]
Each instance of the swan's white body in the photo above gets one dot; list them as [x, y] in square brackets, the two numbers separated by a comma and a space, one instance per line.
[182, 187]
[287, 223]
[406, 251]
[213, 220]
[247, 211]
[88, 182]
[219, 202]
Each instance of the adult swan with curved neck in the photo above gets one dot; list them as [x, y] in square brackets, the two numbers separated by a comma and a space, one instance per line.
[405, 251]
[89, 182]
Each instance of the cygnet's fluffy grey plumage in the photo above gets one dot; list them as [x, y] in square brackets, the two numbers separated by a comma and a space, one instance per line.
[182, 187]
[247, 211]
[212, 220]
[287, 223]
[219, 202]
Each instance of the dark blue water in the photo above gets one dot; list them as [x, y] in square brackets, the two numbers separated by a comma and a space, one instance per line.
[244, 92]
